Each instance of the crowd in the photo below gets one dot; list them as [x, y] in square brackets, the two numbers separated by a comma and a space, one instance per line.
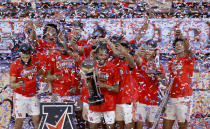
[128, 76]
[104, 10]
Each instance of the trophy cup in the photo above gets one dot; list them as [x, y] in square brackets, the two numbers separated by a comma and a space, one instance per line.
[95, 96]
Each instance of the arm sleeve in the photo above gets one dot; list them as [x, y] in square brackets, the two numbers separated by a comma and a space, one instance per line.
[170, 67]
[117, 76]
[51, 63]
[39, 46]
[162, 69]
[13, 70]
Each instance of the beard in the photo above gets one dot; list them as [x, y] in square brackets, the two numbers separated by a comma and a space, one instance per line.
[26, 63]
[121, 57]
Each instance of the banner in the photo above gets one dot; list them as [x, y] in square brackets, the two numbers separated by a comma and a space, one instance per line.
[57, 116]
[160, 30]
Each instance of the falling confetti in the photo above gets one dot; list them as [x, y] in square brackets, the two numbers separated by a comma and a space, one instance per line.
[118, 18]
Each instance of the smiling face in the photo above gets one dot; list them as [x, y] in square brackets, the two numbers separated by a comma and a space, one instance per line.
[149, 54]
[179, 48]
[142, 52]
[51, 33]
[121, 56]
[25, 57]
[101, 56]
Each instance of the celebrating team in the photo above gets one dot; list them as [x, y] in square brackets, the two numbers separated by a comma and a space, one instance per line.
[128, 77]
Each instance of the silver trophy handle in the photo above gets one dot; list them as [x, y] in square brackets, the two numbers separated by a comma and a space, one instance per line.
[163, 104]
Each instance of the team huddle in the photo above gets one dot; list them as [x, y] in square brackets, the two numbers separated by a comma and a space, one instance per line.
[128, 77]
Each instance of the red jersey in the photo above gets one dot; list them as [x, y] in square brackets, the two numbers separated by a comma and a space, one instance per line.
[148, 83]
[78, 75]
[65, 66]
[135, 41]
[110, 75]
[45, 47]
[87, 47]
[181, 70]
[43, 60]
[128, 84]
[44, 50]
[82, 42]
[28, 74]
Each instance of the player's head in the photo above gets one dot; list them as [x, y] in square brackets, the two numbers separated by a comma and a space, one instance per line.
[67, 31]
[178, 46]
[50, 32]
[126, 46]
[151, 50]
[99, 32]
[25, 53]
[77, 27]
[102, 53]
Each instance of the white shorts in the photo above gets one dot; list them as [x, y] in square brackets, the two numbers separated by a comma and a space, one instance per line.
[178, 108]
[85, 111]
[23, 105]
[95, 117]
[145, 112]
[124, 112]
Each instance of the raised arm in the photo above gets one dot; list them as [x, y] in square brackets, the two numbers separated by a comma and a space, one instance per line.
[33, 36]
[128, 57]
[142, 31]
[139, 55]
[75, 47]
[113, 48]
[138, 60]
[186, 44]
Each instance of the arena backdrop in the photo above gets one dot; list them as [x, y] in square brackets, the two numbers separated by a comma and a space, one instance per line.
[197, 30]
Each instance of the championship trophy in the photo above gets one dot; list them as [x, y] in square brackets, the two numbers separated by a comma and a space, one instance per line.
[95, 96]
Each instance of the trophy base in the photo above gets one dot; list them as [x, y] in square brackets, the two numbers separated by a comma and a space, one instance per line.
[94, 101]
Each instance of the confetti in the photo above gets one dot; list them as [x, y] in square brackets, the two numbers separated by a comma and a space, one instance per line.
[155, 22]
